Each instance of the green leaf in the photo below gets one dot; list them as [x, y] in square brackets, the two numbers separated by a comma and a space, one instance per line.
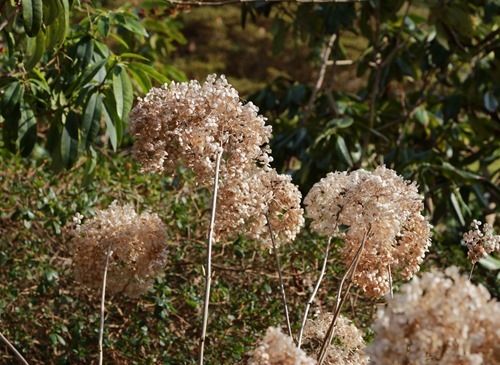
[123, 93]
[34, 50]
[490, 102]
[142, 80]
[456, 208]
[342, 147]
[69, 140]
[490, 263]
[111, 119]
[91, 119]
[11, 98]
[344, 122]
[27, 130]
[32, 16]
[10, 130]
[50, 11]
[149, 71]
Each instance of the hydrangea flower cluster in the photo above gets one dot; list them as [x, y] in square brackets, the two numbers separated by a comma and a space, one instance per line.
[381, 205]
[438, 319]
[137, 244]
[278, 349]
[480, 242]
[247, 205]
[188, 123]
[347, 347]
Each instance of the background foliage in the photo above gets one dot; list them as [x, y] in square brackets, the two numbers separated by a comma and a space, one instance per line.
[419, 92]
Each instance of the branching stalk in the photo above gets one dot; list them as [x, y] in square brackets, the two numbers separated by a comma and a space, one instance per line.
[20, 357]
[103, 299]
[341, 299]
[208, 270]
[282, 286]
[313, 294]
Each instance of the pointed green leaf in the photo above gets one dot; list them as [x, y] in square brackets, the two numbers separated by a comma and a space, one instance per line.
[32, 16]
[91, 119]
[34, 50]
[342, 147]
[69, 140]
[27, 130]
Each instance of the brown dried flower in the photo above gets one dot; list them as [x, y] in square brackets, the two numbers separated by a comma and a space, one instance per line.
[137, 244]
[245, 204]
[188, 123]
[382, 204]
[347, 347]
[278, 349]
[438, 319]
[480, 242]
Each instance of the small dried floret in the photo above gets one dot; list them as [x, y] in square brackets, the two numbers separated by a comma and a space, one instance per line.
[347, 347]
[137, 244]
[278, 349]
[188, 123]
[438, 319]
[381, 205]
[246, 202]
[480, 242]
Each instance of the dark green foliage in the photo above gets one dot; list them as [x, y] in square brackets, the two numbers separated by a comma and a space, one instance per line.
[421, 97]
[68, 72]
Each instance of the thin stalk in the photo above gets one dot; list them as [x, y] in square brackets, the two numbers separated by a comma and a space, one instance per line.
[341, 299]
[208, 270]
[471, 270]
[282, 286]
[20, 357]
[391, 290]
[313, 294]
[103, 299]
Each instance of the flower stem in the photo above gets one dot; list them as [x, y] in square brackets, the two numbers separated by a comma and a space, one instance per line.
[282, 286]
[472, 270]
[313, 294]
[103, 298]
[208, 270]
[389, 273]
[341, 299]
[20, 357]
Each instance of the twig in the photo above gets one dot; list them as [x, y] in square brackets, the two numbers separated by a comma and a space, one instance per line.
[103, 298]
[226, 2]
[391, 290]
[282, 286]
[341, 299]
[20, 357]
[313, 294]
[208, 271]
[325, 55]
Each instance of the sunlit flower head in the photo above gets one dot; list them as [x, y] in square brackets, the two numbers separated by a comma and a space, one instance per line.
[137, 249]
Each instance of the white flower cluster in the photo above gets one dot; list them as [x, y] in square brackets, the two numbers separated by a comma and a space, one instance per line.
[438, 319]
[347, 347]
[137, 244]
[188, 123]
[381, 205]
[480, 242]
[278, 349]
[245, 205]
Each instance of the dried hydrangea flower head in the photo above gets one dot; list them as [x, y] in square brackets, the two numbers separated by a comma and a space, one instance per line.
[137, 244]
[379, 203]
[438, 319]
[188, 123]
[480, 242]
[278, 349]
[347, 347]
[246, 203]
